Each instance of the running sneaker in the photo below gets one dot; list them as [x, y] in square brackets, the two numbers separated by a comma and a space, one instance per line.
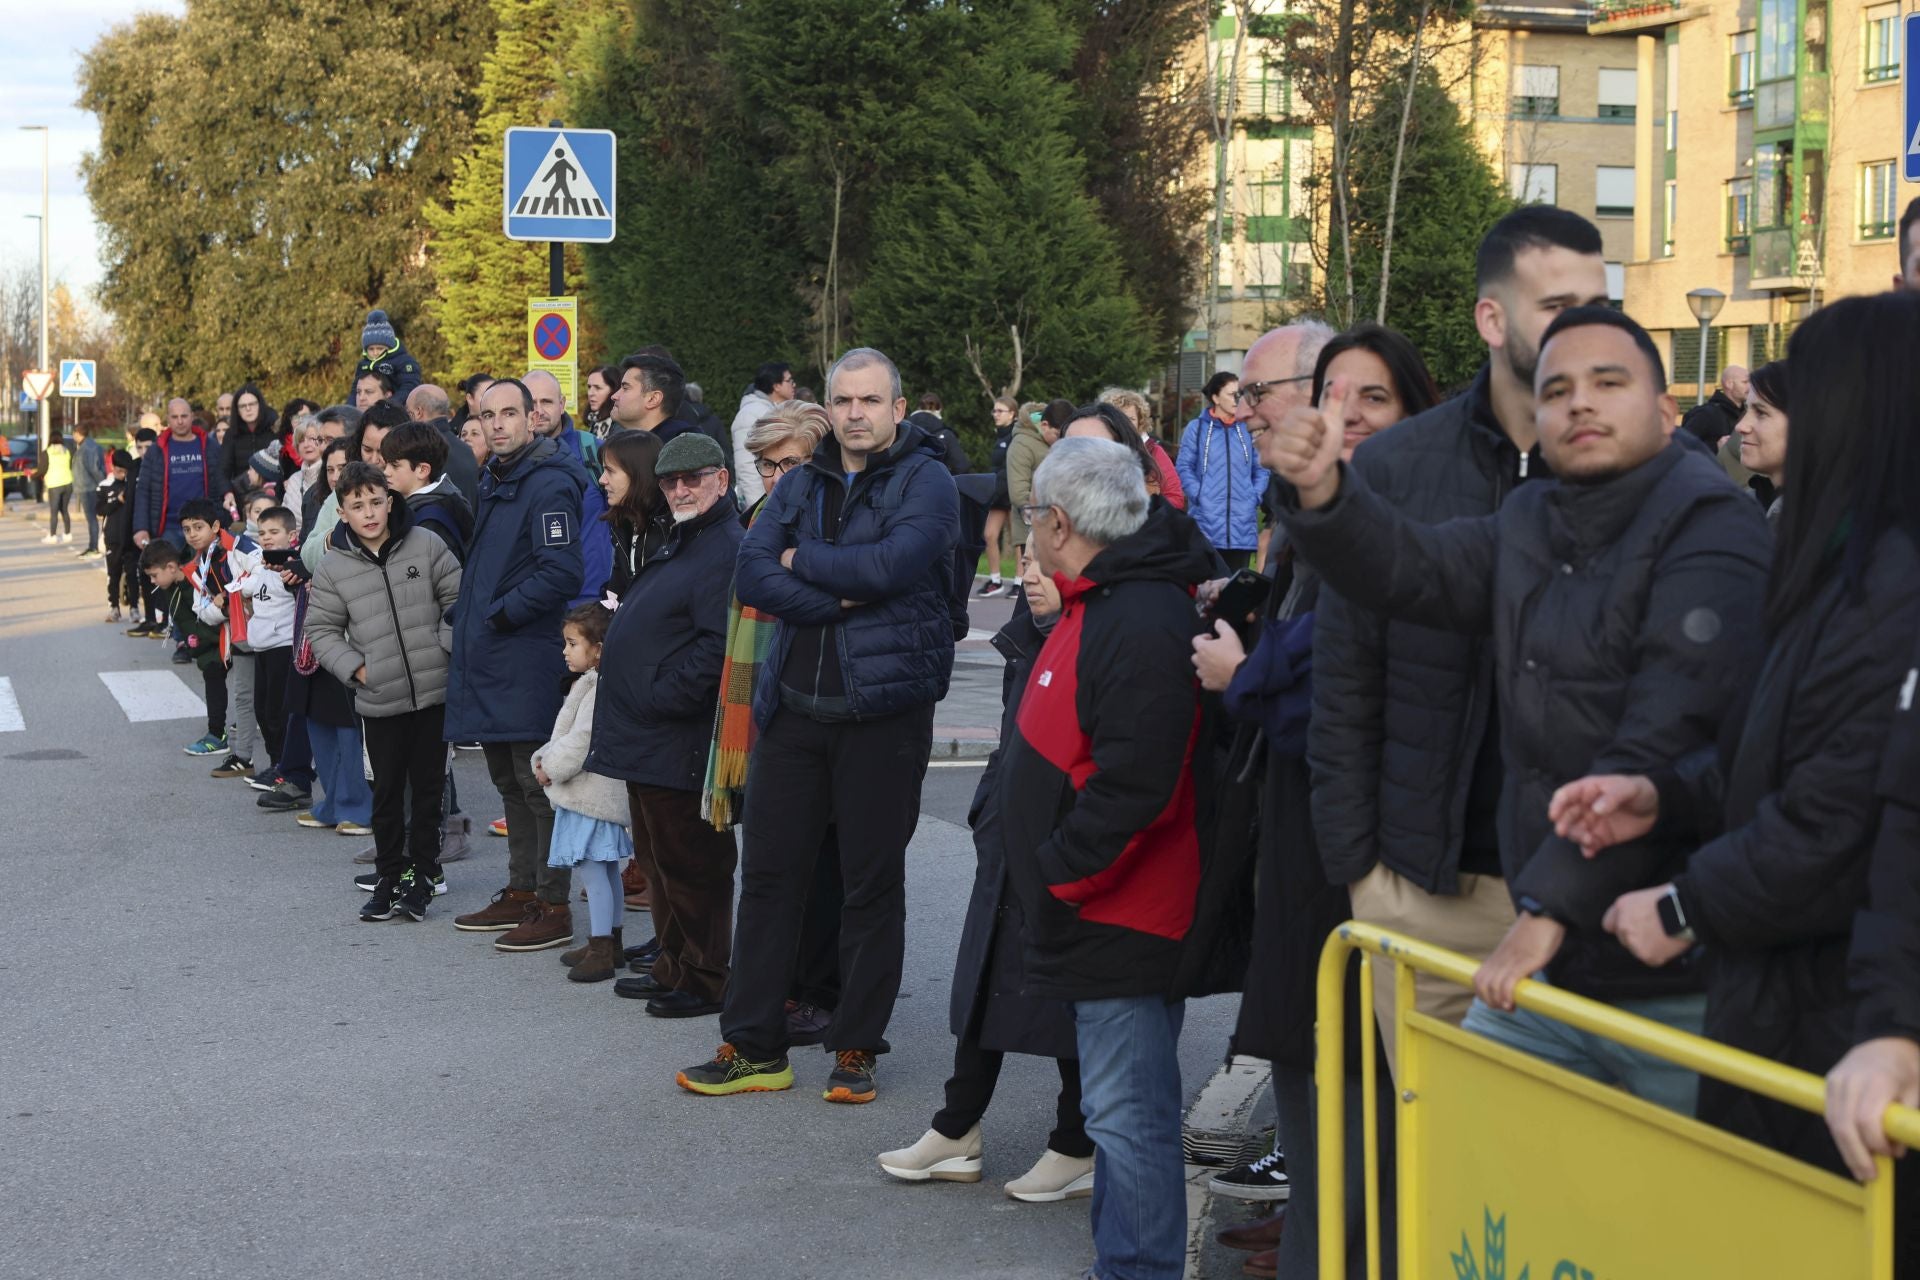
[498, 827]
[353, 829]
[309, 821]
[232, 767]
[852, 1078]
[990, 587]
[265, 780]
[385, 901]
[371, 880]
[415, 894]
[1264, 1179]
[728, 1072]
[205, 745]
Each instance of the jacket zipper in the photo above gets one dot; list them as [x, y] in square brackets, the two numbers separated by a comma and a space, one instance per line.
[393, 608]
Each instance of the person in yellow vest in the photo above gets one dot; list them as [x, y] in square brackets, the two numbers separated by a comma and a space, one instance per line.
[56, 478]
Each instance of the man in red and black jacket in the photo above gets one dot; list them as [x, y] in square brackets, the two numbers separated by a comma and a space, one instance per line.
[180, 467]
[1097, 808]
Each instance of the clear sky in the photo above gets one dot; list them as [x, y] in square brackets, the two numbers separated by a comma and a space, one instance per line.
[37, 86]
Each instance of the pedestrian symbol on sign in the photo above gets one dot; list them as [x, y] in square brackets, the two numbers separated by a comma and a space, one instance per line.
[551, 193]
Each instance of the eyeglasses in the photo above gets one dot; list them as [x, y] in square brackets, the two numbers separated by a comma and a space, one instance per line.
[1034, 510]
[771, 467]
[1250, 393]
[687, 479]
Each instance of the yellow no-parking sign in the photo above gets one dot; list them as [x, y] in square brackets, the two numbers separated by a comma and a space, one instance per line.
[553, 342]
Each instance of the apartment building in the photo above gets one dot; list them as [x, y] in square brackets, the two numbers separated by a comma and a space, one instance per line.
[1767, 146]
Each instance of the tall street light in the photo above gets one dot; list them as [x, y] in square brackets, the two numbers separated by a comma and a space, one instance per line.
[45, 408]
[1706, 304]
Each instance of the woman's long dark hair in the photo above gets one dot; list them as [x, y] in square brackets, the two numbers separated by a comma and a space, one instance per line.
[1853, 465]
[1411, 381]
[634, 452]
[267, 416]
[1771, 383]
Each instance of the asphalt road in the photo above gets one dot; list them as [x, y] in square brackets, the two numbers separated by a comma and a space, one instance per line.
[209, 1067]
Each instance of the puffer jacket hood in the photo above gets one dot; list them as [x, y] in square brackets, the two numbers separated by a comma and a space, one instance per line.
[385, 611]
[1222, 480]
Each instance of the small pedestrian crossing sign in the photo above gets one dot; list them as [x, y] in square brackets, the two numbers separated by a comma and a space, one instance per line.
[76, 378]
[559, 185]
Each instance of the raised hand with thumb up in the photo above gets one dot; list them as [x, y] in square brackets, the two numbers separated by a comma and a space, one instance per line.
[1304, 450]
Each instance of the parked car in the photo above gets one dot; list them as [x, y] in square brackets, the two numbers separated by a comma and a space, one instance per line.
[21, 463]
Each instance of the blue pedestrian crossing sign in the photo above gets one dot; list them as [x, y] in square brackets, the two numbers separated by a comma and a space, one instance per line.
[76, 378]
[1910, 97]
[559, 185]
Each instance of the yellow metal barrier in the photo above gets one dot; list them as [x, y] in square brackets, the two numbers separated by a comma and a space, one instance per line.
[1512, 1167]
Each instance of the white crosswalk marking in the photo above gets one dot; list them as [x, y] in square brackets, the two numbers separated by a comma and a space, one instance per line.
[153, 695]
[10, 718]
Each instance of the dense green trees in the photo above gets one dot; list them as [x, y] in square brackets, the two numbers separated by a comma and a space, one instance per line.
[260, 182]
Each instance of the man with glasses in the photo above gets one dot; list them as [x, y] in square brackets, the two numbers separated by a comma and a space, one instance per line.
[773, 385]
[853, 555]
[653, 722]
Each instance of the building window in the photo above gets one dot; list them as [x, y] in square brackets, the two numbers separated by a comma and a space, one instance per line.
[1877, 188]
[1618, 91]
[1740, 70]
[1880, 46]
[1536, 91]
[1613, 191]
[1616, 284]
[1739, 214]
[1670, 209]
[1534, 183]
[1673, 98]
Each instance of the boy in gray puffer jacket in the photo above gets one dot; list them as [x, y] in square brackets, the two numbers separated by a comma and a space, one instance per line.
[376, 618]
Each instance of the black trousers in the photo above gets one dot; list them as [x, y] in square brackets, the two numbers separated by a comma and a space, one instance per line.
[409, 754]
[970, 1089]
[123, 577]
[816, 970]
[214, 676]
[689, 870]
[271, 668]
[529, 821]
[863, 777]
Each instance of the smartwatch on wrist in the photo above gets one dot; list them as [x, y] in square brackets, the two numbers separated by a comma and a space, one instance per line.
[1673, 917]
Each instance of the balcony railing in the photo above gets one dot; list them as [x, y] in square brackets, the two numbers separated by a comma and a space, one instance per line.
[1613, 11]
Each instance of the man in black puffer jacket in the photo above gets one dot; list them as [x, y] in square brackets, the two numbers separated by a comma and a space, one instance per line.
[1623, 604]
[852, 553]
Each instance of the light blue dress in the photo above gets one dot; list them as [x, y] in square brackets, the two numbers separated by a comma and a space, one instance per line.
[578, 838]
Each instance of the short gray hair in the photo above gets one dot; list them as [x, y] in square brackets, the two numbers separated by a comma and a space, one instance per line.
[1097, 483]
[1314, 335]
[863, 358]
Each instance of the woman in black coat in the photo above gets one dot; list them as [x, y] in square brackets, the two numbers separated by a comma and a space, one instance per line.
[1786, 808]
[250, 428]
[635, 510]
[987, 1013]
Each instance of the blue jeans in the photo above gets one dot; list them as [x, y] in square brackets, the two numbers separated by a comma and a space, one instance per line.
[1130, 1094]
[1654, 1079]
[346, 797]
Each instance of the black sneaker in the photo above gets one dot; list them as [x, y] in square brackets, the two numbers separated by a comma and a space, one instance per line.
[286, 798]
[233, 767]
[1264, 1179]
[852, 1078]
[384, 902]
[371, 880]
[415, 893]
[990, 587]
[181, 657]
[143, 630]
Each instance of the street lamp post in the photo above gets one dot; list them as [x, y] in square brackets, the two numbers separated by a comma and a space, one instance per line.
[46, 417]
[1706, 304]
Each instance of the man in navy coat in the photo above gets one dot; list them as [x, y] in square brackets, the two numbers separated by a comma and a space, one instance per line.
[504, 689]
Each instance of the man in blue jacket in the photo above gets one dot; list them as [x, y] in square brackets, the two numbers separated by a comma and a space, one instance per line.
[523, 566]
[653, 726]
[550, 419]
[852, 555]
[177, 469]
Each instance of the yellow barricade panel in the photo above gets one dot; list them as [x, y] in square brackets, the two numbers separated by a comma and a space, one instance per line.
[1511, 1169]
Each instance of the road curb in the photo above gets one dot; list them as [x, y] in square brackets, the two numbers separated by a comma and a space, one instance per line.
[963, 744]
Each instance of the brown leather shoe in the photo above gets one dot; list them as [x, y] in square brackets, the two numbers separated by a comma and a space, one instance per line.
[546, 924]
[1255, 1237]
[575, 956]
[603, 956]
[634, 882]
[508, 908]
[1263, 1264]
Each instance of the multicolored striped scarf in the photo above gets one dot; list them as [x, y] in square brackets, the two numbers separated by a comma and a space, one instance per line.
[749, 640]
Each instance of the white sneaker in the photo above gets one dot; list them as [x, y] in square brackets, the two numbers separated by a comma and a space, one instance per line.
[1054, 1177]
[48, 541]
[936, 1158]
[66, 537]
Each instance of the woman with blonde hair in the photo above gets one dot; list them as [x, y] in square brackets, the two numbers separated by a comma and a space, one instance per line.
[780, 442]
[1140, 413]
